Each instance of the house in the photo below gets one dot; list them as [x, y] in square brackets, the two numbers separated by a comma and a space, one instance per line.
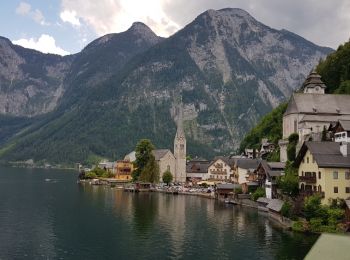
[266, 148]
[341, 131]
[243, 167]
[267, 173]
[197, 170]
[123, 170]
[226, 190]
[221, 169]
[310, 110]
[324, 169]
[107, 166]
[165, 160]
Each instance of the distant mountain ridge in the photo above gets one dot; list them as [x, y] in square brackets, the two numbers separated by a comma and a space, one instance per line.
[229, 69]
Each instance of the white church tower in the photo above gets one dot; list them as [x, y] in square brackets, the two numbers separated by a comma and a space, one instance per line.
[180, 148]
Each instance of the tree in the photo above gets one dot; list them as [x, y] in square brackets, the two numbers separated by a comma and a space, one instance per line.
[324, 134]
[291, 148]
[167, 177]
[289, 183]
[150, 172]
[144, 154]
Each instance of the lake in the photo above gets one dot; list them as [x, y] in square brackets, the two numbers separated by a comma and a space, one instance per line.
[45, 214]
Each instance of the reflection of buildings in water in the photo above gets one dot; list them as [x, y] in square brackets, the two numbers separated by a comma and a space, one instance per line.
[172, 218]
[122, 206]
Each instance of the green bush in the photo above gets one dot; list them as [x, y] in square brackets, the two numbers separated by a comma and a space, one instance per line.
[299, 226]
[260, 192]
[316, 225]
[286, 209]
[90, 175]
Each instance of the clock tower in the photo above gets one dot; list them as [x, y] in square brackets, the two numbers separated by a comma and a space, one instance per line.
[180, 148]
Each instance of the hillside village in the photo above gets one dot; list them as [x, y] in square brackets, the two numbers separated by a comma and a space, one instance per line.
[315, 144]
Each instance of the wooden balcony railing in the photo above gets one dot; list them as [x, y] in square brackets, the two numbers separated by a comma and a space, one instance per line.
[307, 179]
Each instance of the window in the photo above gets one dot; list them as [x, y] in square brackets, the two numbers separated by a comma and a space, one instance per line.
[347, 189]
[347, 175]
[295, 126]
[303, 160]
[307, 159]
[319, 175]
[335, 175]
[319, 188]
[335, 189]
[302, 173]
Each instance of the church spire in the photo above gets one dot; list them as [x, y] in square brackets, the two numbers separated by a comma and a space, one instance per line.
[180, 132]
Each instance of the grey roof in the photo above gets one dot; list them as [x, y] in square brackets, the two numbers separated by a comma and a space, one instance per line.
[273, 169]
[228, 160]
[345, 124]
[248, 163]
[308, 103]
[347, 202]
[275, 204]
[313, 80]
[160, 153]
[227, 186]
[197, 166]
[326, 154]
[263, 200]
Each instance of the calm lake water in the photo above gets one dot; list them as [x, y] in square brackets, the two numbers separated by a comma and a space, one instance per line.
[45, 214]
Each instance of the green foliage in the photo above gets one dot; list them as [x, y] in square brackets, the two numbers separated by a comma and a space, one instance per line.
[286, 209]
[289, 183]
[270, 126]
[335, 70]
[144, 154]
[167, 177]
[150, 173]
[291, 148]
[274, 156]
[238, 191]
[101, 173]
[260, 192]
[90, 175]
[300, 226]
[313, 207]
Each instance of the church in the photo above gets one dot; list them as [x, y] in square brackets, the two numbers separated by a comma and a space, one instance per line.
[310, 110]
[174, 162]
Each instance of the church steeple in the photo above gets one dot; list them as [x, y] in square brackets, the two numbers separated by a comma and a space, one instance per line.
[180, 146]
[313, 84]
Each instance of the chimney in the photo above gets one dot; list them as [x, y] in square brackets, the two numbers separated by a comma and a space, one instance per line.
[344, 148]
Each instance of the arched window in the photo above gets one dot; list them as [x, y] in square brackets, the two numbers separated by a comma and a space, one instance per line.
[319, 188]
[302, 186]
[295, 126]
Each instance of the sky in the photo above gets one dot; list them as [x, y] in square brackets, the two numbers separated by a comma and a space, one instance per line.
[65, 26]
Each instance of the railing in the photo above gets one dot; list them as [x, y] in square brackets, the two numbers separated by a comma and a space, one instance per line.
[307, 179]
[307, 193]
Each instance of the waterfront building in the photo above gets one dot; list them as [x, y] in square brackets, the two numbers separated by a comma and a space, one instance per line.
[310, 110]
[226, 190]
[166, 162]
[131, 157]
[197, 170]
[243, 168]
[106, 165]
[267, 174]
[123, 170]
[221, 169]
[324, 169]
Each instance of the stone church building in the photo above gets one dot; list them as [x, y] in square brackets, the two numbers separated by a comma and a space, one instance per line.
[310, 110]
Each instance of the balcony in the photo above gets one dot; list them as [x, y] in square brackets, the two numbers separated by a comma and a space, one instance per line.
[307, 193]
[307, 179]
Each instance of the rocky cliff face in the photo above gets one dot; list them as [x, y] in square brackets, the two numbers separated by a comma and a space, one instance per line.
[31, 83]
[228, 68]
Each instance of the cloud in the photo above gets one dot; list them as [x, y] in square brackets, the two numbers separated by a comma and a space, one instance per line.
[322, 22]
[45, 44]
[25, 9]
[70, 17]
[107, 16]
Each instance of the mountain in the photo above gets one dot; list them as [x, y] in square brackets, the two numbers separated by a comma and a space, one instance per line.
[228, 68]
[31, 83]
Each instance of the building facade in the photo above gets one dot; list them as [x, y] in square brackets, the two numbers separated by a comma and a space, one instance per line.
[221, 169]
[123, 170]
[324, 169]
[166, 162]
